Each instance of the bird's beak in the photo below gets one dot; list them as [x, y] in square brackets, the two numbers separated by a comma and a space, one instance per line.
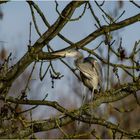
[61, 54]
[65, 53]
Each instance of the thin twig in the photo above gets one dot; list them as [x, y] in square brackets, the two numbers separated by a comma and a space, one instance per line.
[40, 71]
[34, 20]
[65, 134]
[119, 16]
[74, 19]
[135, 3]
[27, 110]
[30, 33]
[95, 17]
[107, 15]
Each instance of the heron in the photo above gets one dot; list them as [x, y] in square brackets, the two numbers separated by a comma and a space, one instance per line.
[89, 67]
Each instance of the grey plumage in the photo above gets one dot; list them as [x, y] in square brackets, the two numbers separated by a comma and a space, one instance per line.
[90, 69]
[90, 72]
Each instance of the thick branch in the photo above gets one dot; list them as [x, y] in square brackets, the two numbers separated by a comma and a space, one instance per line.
[1, 2]
[29, 57]
[110, 96]
[49, 124]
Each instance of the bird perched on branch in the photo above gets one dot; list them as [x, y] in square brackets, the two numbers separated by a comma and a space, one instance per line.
[90, 69]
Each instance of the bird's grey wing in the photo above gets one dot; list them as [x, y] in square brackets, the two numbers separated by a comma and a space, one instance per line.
[86, 69]
[99, 72]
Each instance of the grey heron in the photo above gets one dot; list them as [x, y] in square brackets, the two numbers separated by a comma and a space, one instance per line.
[90, 69]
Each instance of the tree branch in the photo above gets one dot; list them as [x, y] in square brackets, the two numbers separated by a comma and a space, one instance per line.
[28, 58]
[110, 96]
[35, 51]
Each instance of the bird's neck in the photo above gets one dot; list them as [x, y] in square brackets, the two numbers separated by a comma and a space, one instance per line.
[79, 58]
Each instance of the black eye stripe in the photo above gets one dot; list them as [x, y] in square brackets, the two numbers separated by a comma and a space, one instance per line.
[89, 60]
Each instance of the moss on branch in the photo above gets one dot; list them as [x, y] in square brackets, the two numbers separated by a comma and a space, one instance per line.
[69, 116]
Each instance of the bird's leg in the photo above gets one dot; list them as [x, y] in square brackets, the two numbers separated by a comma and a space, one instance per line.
[92, 94]
[91, 100]
[84, 96]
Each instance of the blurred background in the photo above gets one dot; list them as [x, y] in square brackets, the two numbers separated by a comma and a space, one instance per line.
[15, 18]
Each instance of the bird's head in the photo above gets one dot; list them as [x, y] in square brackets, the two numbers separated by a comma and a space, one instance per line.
[70, 53]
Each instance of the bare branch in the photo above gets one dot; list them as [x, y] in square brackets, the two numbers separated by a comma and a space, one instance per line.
[138, 6]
